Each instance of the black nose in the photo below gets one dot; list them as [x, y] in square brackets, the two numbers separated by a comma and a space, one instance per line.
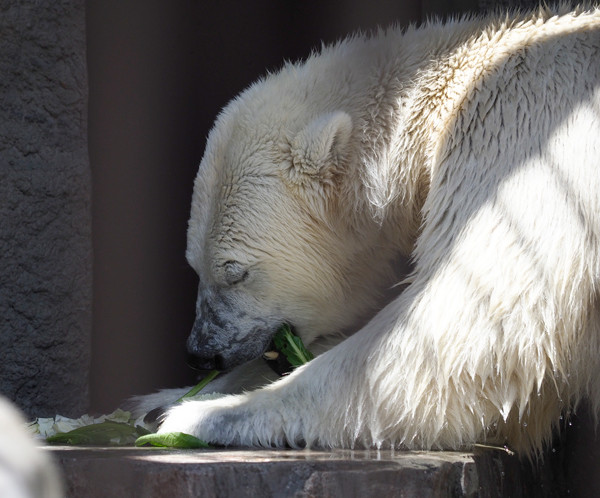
[202, 363]
[198, 363]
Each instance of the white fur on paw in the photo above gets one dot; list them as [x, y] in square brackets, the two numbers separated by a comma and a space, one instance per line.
[235, 420]
[203, 419]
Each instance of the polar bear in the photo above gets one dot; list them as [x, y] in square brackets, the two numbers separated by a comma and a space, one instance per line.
[470, 148]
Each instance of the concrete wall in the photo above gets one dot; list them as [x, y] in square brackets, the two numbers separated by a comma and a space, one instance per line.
[45, 246]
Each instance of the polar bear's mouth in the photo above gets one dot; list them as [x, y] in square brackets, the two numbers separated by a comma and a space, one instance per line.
[286, 351]
[221, 342]
[277, 360]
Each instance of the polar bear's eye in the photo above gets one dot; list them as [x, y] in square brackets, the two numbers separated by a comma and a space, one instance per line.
[234, 273]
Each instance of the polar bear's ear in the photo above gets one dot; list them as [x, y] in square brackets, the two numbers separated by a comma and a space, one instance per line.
[319, 149]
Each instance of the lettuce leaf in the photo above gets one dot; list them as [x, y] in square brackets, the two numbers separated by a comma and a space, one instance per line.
[106, 433]
[171, 440]
[291, 346]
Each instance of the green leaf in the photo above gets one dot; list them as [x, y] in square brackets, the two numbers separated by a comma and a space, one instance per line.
[291, 346]
[142, 431]
[198, 387]
[103, 434]
[171, 440]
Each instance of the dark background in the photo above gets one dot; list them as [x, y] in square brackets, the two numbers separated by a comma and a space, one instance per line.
[159, 72]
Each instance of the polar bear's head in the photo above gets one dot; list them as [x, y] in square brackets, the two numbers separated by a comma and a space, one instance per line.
[270, 235]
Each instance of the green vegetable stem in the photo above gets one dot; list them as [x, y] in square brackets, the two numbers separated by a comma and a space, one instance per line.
[291, 346]
[198, 387]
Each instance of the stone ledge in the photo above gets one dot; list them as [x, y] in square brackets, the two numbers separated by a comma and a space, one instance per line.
[153, 472]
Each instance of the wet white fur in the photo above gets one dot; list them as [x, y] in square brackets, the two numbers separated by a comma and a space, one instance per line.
[472, 146]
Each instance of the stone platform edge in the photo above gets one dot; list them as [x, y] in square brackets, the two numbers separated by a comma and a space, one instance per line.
[154, 472]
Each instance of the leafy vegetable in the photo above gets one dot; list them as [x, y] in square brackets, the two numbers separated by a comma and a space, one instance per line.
[285, 341]
[291, 346]
[119, 428]
[101, 434]
[179, 439]
[198, 387]
[171, 440]
[116, 429]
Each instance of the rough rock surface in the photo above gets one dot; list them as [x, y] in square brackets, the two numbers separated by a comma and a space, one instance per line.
[45, 239]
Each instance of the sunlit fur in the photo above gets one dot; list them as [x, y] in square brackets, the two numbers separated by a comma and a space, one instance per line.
[470, 146]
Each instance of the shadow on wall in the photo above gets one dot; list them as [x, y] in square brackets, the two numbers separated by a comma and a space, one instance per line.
[159, 73]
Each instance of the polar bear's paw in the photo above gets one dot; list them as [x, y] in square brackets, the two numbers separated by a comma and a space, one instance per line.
[228, 421]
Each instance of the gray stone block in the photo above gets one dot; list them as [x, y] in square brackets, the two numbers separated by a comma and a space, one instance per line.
[45, 232]
[154, 472]
[221, 473]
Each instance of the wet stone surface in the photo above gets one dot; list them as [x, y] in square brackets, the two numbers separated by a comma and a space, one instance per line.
[153, 472]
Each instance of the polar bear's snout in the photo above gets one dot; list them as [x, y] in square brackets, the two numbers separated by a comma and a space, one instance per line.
[223, 337]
